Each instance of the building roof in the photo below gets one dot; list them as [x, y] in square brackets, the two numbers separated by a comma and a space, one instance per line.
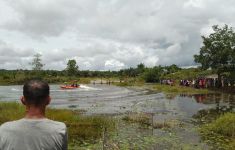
[212, 76]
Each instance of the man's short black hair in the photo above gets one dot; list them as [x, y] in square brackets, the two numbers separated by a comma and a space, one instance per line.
[36, 91]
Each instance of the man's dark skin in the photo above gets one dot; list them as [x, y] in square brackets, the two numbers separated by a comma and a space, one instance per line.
[35, 111]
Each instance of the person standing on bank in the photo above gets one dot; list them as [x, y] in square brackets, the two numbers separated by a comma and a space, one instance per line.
[34, 131]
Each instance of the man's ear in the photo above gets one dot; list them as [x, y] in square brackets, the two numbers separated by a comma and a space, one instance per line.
[22, 99]
[48, 100]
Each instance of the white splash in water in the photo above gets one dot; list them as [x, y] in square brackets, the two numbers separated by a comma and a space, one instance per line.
[87, 88]
[14, 89]
[81, 88]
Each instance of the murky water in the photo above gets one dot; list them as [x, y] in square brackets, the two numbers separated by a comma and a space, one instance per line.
[105, 99]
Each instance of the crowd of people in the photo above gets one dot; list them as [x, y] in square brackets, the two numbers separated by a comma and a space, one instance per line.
[168, 82]
[200, 82]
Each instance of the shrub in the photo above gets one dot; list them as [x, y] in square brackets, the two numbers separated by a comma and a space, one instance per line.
[221, 132]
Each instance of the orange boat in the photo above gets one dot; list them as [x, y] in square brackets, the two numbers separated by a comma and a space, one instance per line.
[74, 85]
[69, 87]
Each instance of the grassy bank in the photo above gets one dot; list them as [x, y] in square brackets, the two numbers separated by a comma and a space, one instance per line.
[130, 83]
[167, 89]
[177, 89]
[84, 131]
[220, 133]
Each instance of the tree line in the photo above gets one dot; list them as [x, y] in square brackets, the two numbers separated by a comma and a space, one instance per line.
[218, 52]
[72, 72]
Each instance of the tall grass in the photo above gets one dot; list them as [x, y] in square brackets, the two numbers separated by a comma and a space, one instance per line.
[141, 118]
[10, 111]
[221, 132]
[82, 129]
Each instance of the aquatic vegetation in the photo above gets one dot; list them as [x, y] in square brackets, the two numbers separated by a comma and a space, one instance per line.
[167, 124]
[220, 133]
[134, 137]
[209, 115]
[83, 130]
[141, 118]
[147, 120]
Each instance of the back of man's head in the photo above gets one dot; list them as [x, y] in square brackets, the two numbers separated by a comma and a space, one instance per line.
[35, 92]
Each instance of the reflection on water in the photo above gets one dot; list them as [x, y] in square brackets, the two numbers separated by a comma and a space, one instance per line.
[215, 98]
[221, 103]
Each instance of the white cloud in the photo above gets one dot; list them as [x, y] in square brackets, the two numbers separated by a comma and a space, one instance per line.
[207, 29]
[194, 3]
[113, 65]
[151, 61]
[122, 32]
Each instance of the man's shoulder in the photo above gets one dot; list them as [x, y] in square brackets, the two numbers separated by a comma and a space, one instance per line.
[9, 124]
[35, 122]
[51, 134]
[56, 123]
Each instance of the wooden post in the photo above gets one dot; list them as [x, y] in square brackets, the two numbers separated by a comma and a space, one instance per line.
[233, 129]
[104, 138]
[152, 123]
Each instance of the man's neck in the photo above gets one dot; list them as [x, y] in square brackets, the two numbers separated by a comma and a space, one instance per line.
[33, 112]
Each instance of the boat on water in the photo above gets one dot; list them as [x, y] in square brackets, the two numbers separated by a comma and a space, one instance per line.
[74, 85]
[69, 87]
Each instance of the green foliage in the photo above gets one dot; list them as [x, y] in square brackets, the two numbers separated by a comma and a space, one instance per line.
[5, 77]
[140, 68]
[218, 50]
[190, 73]
[72, 67]
[130, 76]
[172, 68]
[10, 111]
[36, 63]
[153, 74]
[123, 84]
[179, 89]
[224, 125]
[221, 132]
[141, 118]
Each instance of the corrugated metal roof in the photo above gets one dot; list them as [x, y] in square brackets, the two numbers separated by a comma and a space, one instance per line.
[212, 76]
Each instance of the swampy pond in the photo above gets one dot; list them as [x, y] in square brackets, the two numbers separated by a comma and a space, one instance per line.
[181, 112]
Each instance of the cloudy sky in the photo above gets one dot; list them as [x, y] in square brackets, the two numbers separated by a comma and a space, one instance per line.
[107, 34]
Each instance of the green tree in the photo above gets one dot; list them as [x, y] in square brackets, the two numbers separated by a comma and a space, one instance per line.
[218, 50]
[37, 62]
[72, 68]
[153, 74]
[140, 68]
[172, 68]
